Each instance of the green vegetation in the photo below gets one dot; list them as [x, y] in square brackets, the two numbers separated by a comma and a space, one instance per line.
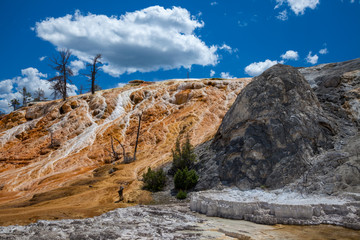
[183, 160]
[183, 157]
[185, 179]
[181, 195]
[154, 180]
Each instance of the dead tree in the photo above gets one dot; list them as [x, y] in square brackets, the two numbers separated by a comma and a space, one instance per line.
[123, 148]
[113, 153]
[39, 95]
[116, 156]
[94, 68]
[61, 65]
[81, 89]
[137, 137]
[26, 96]
[14, 103]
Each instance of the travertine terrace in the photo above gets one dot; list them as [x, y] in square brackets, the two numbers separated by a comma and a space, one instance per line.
[71, 178]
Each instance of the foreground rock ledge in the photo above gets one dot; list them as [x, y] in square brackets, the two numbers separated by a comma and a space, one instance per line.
[278, 207]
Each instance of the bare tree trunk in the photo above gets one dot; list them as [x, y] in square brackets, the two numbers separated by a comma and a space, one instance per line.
[93, 79]
[137, 137]
[64, 92]
[123, 148]
[115, 154]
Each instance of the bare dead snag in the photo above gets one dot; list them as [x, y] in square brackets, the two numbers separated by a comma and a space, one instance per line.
[113, 153]
[123, 148]
[61, 65]
[127, 159]
[137, 137]
[95, 66]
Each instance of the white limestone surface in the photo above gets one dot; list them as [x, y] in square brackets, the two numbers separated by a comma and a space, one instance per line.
[278, 207]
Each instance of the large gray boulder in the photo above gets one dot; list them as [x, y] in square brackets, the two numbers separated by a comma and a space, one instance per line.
[265, 139]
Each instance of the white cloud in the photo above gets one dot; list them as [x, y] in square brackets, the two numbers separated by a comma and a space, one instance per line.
[290, 55]
[226, 75]
[323, 51]
[212, 73]
[6, 86]
[30, 78]
[213, 3]
[147, 40]
[279, 3]
[312, 59]
[283, 15]
[257, 68]
[226, 48]
[42, 58]
[76, 66]
[119, 85]
[298, 6]
[4, 106]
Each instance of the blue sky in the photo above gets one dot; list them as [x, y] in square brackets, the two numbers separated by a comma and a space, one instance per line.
[158, 40]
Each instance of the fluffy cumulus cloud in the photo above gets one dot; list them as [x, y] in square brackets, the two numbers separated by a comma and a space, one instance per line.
[226, 75]
[6, 86]
[323, 51]
[257, 68]
[212, 73]
[290, 55]
[298, 6]
[42, 58]
[76, 66]
[147, 40]
[313, 59]
[30, 78]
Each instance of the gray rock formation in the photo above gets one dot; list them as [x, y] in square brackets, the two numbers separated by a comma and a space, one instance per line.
[266, 138]
[278, 207]
[336, 171]
[336, 86]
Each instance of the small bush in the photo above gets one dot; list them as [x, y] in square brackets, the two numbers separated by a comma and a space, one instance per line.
[181, 195]
[185, 179]
[154, 180]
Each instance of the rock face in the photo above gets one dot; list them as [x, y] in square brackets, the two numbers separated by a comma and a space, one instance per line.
[273, 127]
[337, 86]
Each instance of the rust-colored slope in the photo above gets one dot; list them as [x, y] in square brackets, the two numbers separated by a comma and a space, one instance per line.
[40, 180]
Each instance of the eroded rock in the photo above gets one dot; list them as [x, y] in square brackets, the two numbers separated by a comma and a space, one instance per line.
[275, 124]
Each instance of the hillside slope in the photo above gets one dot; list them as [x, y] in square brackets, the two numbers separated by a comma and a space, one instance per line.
[68, 176]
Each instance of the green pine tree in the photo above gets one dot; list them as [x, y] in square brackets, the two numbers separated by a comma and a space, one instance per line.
[183, 156]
